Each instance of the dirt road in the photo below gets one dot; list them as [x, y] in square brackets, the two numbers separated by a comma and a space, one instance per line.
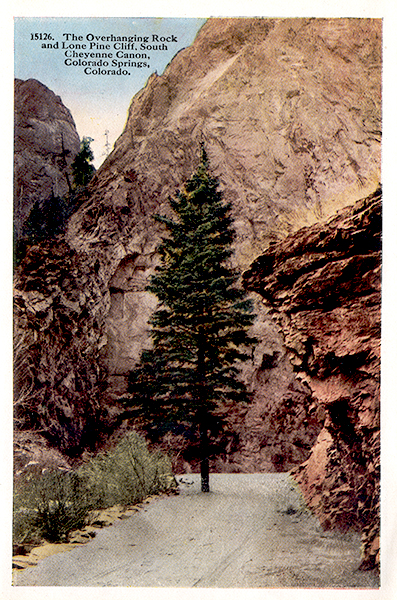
[250, 531]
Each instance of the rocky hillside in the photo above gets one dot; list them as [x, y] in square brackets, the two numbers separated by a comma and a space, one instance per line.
[289, 111]
[45, 144]
[323, 286]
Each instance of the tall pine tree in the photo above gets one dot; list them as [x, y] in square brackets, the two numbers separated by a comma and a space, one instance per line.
[200, 328]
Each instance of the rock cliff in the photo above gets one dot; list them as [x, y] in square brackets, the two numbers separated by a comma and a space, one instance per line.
[45, 144]
[58, 335]
[323, 285]
[289, 111]
[290, 114]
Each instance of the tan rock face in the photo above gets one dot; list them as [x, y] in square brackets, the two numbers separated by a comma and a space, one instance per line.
[324, 284]
[46, 142]
[290, 119]
[290, 114]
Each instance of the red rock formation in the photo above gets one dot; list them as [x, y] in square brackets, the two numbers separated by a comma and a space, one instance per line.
[289, 110]
[323, 284]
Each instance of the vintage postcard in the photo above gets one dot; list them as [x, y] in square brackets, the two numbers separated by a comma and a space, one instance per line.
[198, 223]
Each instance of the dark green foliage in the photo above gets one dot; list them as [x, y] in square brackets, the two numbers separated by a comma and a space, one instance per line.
[82, 168]
[199, 330]
[46, 220]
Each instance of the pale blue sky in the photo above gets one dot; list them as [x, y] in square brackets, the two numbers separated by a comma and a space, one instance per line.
[97, 102]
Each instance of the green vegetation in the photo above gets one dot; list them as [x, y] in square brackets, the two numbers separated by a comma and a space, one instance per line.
[199, 330]
[49, 504]
[82, 167]
[48, 217]
[126, 474]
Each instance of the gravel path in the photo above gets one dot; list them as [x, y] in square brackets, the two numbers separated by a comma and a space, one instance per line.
[250, 531]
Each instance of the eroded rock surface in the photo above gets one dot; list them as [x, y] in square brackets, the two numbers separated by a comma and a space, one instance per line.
[323, 283]
[289, 111]
[45, 144]
[58, 323]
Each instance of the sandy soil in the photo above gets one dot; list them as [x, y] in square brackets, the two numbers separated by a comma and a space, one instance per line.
[250, 531]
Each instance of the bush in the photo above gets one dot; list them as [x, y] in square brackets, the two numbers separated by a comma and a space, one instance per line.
[125, 474]
[50, 504]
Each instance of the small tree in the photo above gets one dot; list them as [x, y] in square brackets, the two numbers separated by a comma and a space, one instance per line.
[199, 330]
[82, 168]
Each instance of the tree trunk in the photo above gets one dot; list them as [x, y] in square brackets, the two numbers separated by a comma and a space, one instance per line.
[203, 417]
[204, 465]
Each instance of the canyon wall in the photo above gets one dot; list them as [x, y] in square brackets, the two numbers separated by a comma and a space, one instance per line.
[323, 287]
[289, 111]
[290, 114]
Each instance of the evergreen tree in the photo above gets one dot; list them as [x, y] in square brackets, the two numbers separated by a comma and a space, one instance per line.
[199, 329]
[82, 168]
[49, 216]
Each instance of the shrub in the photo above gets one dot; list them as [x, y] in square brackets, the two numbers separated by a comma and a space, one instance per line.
[125, 474]
[49, 504]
